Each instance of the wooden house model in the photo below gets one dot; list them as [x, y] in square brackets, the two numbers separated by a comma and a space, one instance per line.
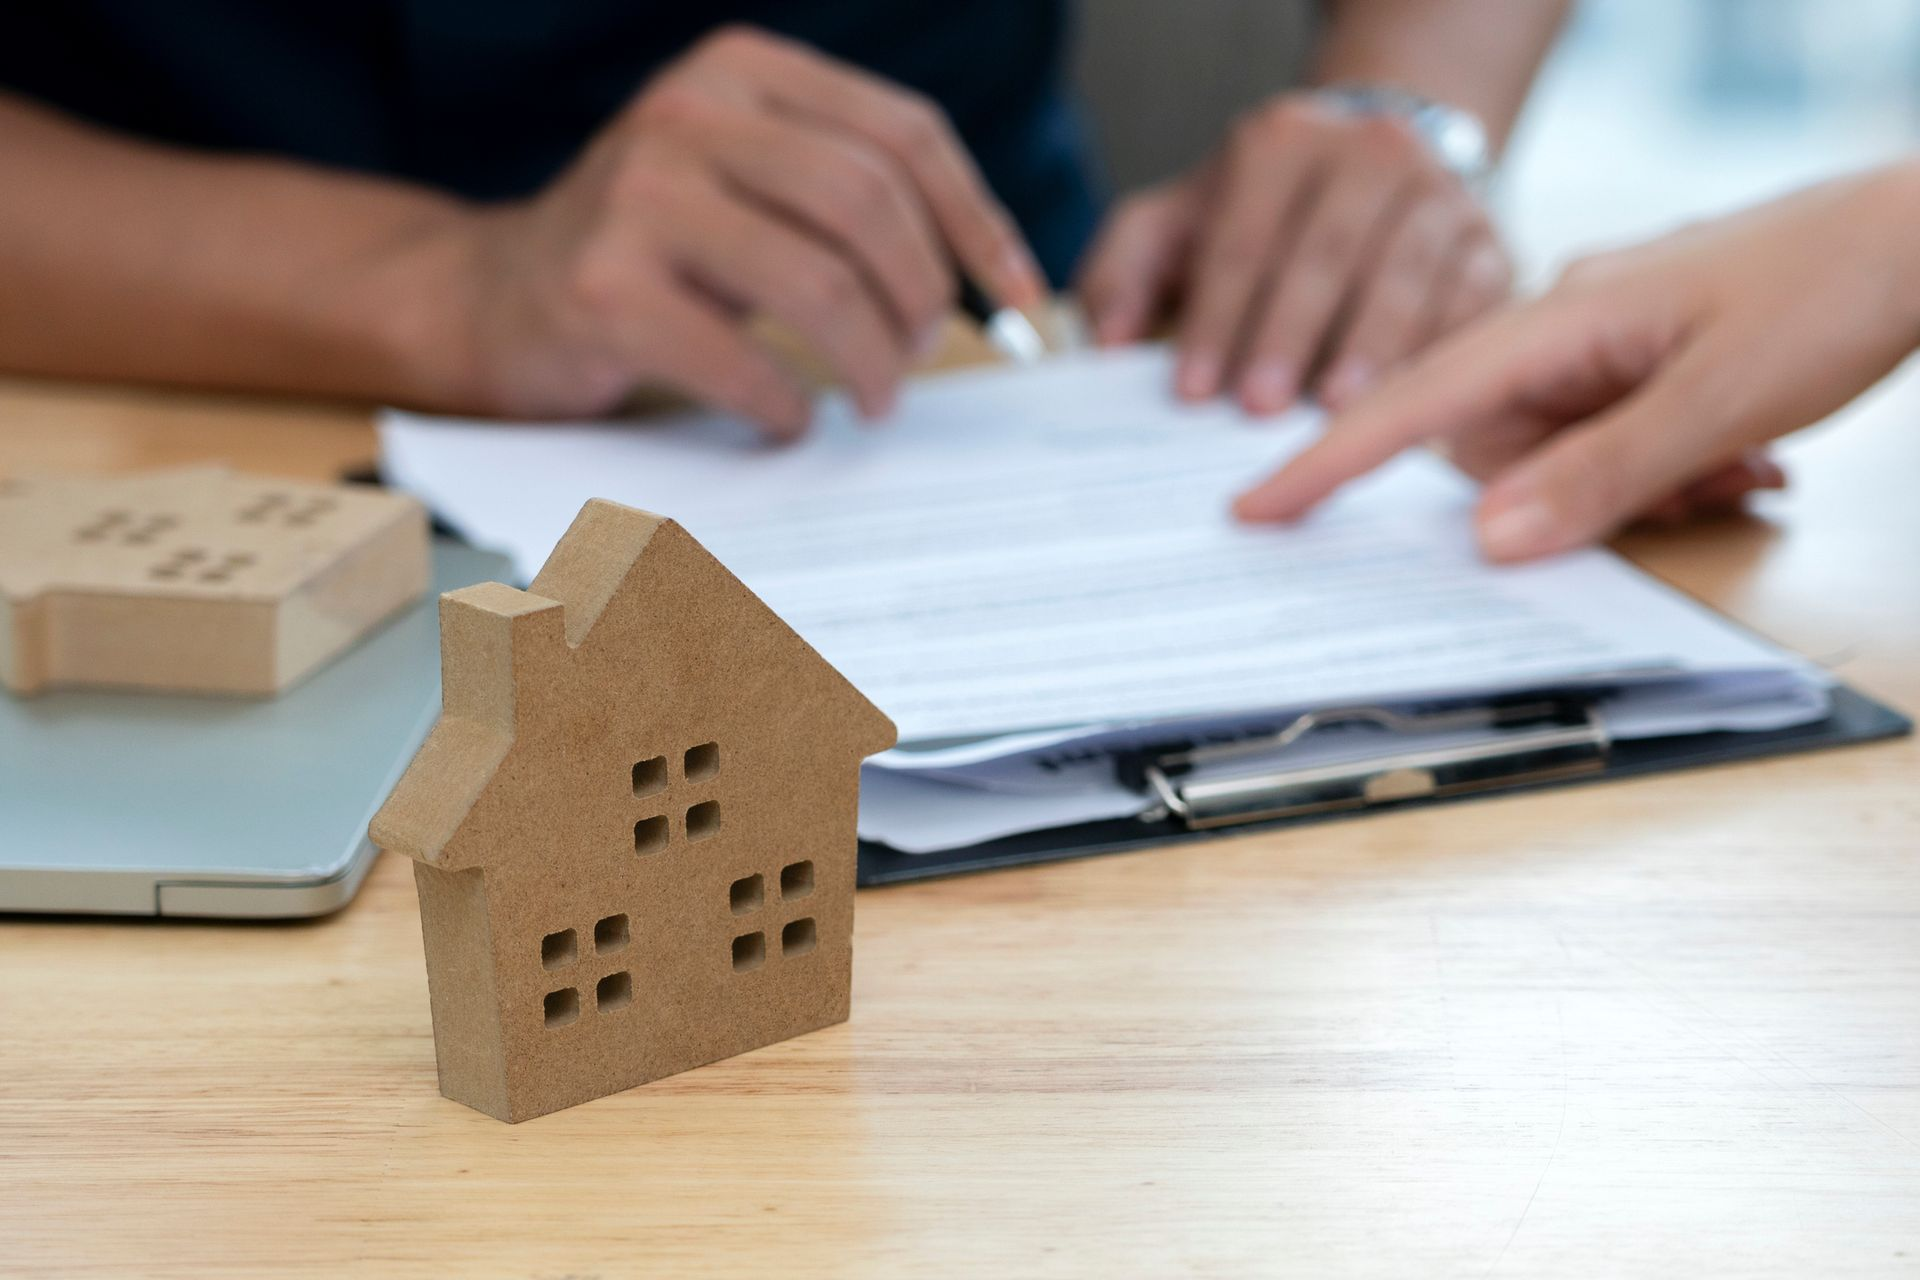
[195, 579]
[633, 825]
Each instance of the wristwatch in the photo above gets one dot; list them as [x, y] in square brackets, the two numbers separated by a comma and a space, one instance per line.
[1455, 136]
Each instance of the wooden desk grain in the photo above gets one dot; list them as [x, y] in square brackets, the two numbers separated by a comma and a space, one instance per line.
[1668, 1027]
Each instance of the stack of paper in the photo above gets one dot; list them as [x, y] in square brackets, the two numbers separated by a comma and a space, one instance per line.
[1029, 569]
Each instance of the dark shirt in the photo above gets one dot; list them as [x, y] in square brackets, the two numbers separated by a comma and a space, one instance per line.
[490, 98]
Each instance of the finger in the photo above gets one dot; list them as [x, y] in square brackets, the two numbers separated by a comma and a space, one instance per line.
[695, 348]
[1584, 483]
[1393, 313]
[1476, 376]
[821, 295]
[1720, 490]
[1271, 167]
[1318, 274]
[980, 232]
[850, 194]
[1135, 262]
[1768, 474]
[1750, 473]
[1491, 445]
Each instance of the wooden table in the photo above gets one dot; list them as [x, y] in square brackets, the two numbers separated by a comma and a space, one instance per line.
[1661, 1028]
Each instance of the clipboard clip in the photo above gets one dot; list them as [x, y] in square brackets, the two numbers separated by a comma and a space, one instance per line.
[1505, 745]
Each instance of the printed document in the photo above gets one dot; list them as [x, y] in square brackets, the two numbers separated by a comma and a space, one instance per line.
[1025, 556]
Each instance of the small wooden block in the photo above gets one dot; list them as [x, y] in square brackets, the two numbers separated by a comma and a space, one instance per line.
[633, 825]
[195, 580]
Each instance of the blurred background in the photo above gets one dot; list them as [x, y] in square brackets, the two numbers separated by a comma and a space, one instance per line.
[1656, 112]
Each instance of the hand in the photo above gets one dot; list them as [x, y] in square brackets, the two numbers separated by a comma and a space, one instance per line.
[1317, 250]
[752, 176]
[1648, 373]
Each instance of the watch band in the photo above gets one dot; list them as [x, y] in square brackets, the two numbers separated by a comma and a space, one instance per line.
[1456, 137]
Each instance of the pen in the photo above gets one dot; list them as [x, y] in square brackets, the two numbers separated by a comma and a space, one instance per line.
[1010, 333]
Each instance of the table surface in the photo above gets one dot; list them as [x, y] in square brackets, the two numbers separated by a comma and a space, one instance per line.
[1663, 1027]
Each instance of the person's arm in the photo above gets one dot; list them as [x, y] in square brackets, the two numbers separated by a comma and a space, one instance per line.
[752, 177]
[1648, 373]
[124, 260]
[1318, 248]
[1478, 55]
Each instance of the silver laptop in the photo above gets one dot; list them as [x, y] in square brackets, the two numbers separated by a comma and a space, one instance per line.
[172, 805]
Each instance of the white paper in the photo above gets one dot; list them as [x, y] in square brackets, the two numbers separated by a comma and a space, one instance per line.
[1031, 569]
[1043, 548]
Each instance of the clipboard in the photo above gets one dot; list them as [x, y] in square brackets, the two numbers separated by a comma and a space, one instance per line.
[1510, 746]
[1528, 744]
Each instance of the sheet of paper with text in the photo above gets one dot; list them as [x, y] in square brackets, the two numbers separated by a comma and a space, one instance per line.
[1040, 548]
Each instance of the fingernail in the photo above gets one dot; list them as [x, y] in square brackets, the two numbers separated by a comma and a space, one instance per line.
[1520, 532]
[792, 422]
[1268, 387]
[1265, 505]
[1348, 382]
[1198, 377]
[930, 339]
[876, 405]
[1249, 507]
[1116, 325]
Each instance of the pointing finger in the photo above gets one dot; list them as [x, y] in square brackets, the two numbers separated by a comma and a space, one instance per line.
[1478, 374]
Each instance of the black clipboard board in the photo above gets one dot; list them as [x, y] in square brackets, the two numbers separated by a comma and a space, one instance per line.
[1853, 719]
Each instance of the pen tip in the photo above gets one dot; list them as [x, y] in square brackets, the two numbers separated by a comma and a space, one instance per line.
[1015, 337]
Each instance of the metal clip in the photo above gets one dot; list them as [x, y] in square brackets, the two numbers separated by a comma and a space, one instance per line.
[1532, 742]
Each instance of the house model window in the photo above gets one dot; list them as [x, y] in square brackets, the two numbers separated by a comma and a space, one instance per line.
[560, 953]
[634, 824]
[701, 813]
[798, 935]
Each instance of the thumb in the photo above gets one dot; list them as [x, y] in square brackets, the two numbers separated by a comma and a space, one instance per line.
[1585, 482]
